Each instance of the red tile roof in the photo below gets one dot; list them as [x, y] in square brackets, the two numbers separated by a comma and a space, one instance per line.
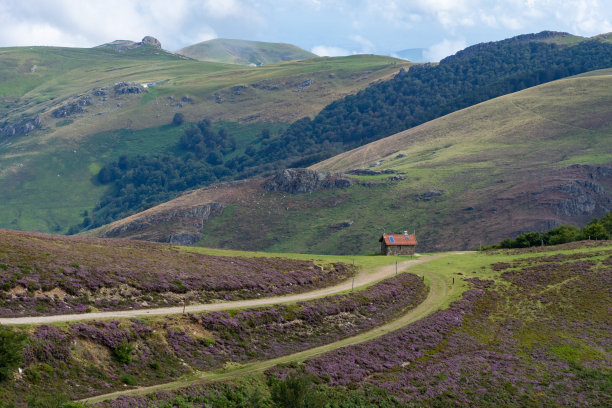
[398, 239]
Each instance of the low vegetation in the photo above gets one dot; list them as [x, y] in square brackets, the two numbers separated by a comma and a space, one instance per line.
[537, 335]
[44, 274]
[98, 356]
[532, 330]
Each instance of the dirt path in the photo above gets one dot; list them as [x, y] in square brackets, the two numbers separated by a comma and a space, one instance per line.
[362, 278]
[440, 289]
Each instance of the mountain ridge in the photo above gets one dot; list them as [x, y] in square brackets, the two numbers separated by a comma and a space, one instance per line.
[244, 52]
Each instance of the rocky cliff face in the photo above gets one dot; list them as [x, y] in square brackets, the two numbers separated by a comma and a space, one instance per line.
[299, 181]
[176, 226]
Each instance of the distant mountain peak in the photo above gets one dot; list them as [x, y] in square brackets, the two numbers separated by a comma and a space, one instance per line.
[244, 52]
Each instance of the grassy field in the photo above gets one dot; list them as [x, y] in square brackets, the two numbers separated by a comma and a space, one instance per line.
[46, 177]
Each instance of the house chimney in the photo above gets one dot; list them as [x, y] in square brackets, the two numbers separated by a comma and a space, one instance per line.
[405, 232]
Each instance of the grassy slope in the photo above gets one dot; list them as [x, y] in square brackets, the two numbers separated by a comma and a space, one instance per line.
[490, 159]
[45, 178]
[244, 52]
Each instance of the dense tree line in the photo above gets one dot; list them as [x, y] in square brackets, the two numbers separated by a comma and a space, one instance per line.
[139, 182]
[412, 97]
[597, 229]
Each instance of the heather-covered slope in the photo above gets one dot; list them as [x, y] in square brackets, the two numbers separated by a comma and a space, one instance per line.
[537, 334]
[49, 274]
[525, 161]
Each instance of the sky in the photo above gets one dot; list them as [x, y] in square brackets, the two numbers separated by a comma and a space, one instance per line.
[324, 27]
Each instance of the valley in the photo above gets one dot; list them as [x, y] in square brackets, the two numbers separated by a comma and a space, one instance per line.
[223, 205]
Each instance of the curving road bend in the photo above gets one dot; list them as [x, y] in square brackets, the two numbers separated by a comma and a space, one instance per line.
[440, 290]
[364, 277]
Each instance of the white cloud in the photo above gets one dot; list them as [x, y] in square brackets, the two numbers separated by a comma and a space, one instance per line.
[224, 8]
[511, 23]
[377, 26]
[328, 51]
[443, 49]
[367, 47]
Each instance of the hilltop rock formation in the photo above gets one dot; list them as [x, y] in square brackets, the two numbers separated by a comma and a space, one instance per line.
[148, 40]
[299, 181]
[124, 45]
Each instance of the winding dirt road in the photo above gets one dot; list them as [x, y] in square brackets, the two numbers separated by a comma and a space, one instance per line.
[365, 277]
[440, 290]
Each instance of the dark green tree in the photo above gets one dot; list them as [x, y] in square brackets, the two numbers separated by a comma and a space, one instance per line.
[595, 230]
[178, 119]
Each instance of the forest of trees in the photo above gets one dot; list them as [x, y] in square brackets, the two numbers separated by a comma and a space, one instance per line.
[412, 97]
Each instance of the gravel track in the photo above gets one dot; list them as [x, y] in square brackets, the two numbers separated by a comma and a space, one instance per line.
[440, 289]
[365, 277]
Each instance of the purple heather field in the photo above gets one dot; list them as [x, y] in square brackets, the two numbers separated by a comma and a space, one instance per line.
[42, 274]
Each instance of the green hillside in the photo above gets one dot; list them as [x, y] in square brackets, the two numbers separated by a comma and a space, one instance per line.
[526, 161]
[62, 118]
[426, 92]
[244, 52]
[413, 97]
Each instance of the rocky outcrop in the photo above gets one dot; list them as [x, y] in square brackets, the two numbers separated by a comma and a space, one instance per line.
[125, 45]
[23, 127]
[72, 108]
[580, 193]
[184, 224]
[123, 88]
[302, 86]
[152, 41]
[366, 172]
[428, 195]
[299, 181]
[184, 238]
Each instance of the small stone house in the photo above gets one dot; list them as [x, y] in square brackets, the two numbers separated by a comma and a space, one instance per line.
[397, 244]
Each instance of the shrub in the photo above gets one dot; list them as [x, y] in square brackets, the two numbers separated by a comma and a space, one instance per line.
[128, 379]
[11, 351]
[296, 391]
[123, 353]
[178, 119]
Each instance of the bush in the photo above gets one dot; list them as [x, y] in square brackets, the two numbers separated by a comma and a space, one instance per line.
[128, 379]
[296, 391]
[123, 353]
[178, 119]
